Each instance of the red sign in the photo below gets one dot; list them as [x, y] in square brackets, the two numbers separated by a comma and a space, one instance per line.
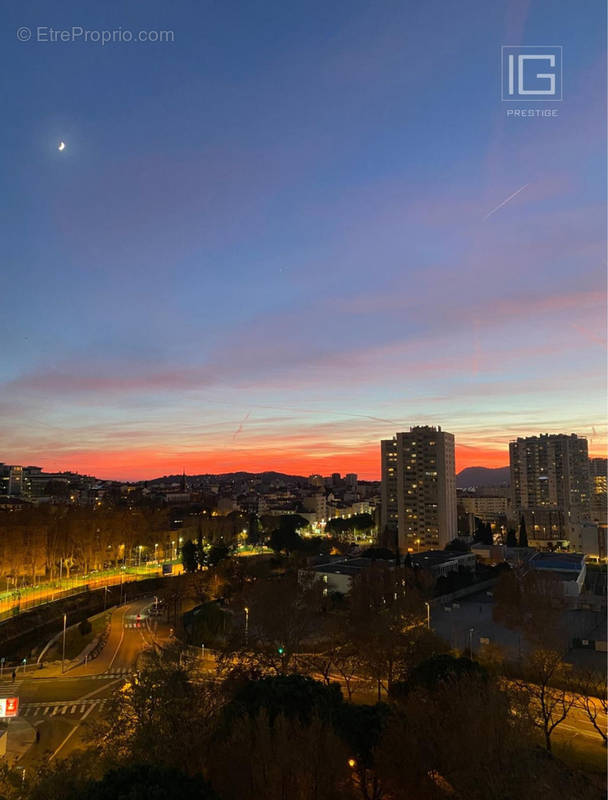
[9, 706]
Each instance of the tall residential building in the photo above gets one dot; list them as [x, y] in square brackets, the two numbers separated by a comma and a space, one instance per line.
[598, 468]
[389, 514]
[550, 473]
[419, 488]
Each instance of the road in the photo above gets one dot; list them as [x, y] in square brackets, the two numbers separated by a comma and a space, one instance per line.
[58, 706]
[27, 597]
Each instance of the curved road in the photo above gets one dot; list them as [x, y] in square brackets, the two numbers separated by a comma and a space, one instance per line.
[58, 706]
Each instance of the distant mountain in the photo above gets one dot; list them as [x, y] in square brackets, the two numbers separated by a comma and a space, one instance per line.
[483, 477]
[225, 476]
[265, 477]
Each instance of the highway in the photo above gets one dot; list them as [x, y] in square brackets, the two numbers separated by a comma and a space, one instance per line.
[59, 706]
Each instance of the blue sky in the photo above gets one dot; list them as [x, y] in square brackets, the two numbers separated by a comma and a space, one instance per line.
[266, 244]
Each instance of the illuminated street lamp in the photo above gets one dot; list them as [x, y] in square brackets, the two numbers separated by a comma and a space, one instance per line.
[155, 549]
[428, 615]
[139, 549]
[246, 626]
[173, 550]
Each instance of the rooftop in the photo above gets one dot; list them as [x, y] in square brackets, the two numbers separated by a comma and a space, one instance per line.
[559, 562]
[433, 558]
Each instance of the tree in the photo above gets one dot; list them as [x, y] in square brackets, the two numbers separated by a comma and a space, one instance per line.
[283, 758]
[284, 537]
[189, 557]
[386, 608]
[281, 613]
[443, 669]
[483, 532]
[461, 739]
[357, 523]
[348, 662]
[292, 696]
[511, 538]
[540, 695]
[531, 601]
[361, 727]
[146, 782]
[590, 687]
[285, 540]
[523, 536]
[217, 553]
[253, 534]
[160, 717]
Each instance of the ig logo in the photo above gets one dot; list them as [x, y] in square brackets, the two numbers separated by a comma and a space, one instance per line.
[532, 73]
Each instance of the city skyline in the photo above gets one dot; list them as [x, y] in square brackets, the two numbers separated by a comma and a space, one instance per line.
[327, 232]
[190, 470]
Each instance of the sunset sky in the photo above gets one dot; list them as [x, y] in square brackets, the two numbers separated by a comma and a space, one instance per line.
[269, 243]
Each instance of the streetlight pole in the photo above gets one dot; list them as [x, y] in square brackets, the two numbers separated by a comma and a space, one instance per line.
[65, 619]
[246, 626]
[428, 616]
[471, 643]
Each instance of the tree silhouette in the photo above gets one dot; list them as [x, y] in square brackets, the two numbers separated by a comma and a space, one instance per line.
[523, 536]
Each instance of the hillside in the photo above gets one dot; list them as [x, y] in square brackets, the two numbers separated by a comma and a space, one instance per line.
[483, 477]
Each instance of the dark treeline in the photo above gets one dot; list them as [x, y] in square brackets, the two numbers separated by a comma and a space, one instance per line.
[448, 733]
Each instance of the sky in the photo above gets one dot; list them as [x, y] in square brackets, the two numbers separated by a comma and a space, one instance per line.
[282, 236]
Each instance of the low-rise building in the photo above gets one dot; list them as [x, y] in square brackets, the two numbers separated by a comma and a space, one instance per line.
[487, 509]
[440, 562]
[570, 568]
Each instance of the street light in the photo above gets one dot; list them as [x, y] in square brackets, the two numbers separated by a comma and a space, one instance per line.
[471, 643]
[173, 550]
[140, 547]
[246, 626]
[155, 549]
[428, 615]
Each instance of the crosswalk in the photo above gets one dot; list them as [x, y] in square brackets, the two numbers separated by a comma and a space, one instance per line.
[11, 684]
[61, 708]
[116, 672]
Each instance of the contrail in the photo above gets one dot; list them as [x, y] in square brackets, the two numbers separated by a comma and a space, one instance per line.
[240, 428]
[504, 202]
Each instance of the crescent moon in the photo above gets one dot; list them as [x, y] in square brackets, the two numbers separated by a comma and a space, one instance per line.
[61, 146]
